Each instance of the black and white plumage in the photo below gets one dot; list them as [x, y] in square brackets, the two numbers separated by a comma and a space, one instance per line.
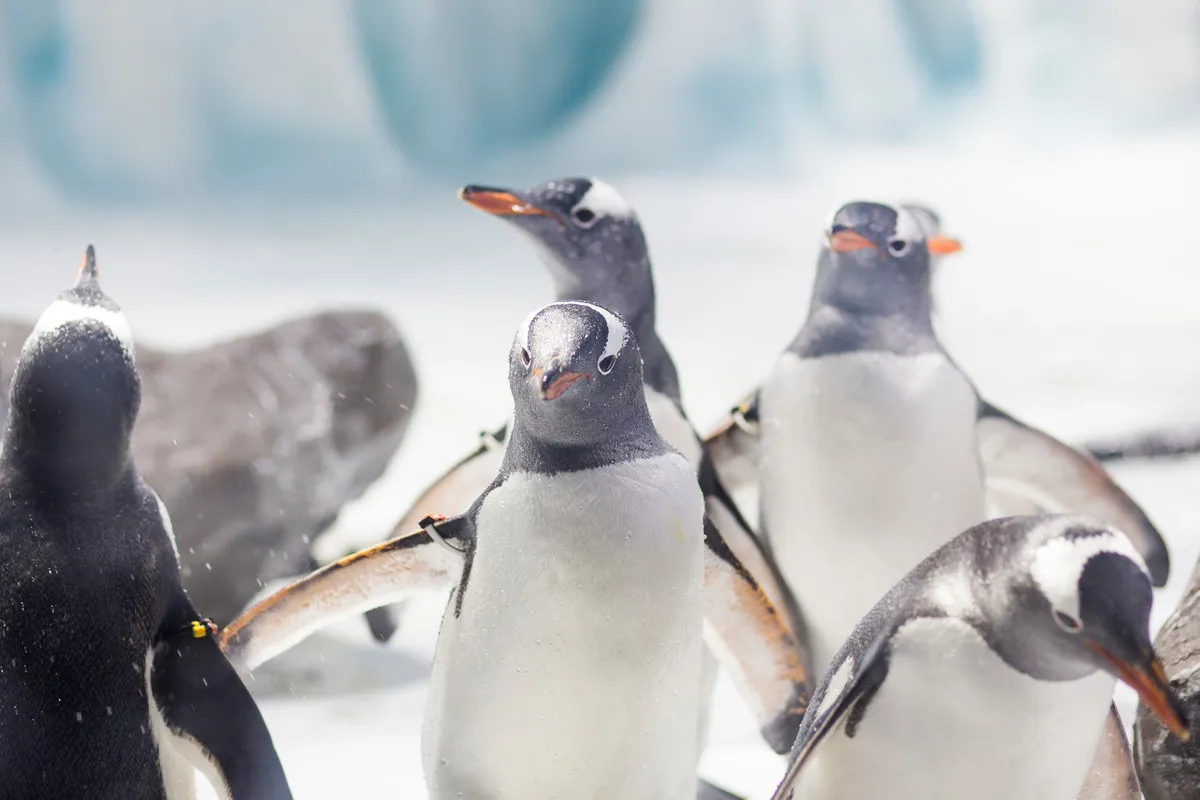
[987, 672]
[568, 663]
[111, 684]
[868, 447]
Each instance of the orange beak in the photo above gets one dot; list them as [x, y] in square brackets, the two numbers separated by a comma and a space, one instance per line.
[554, 389]
[501, 203]
[943, 245]
[845, 241]
[1153, 688]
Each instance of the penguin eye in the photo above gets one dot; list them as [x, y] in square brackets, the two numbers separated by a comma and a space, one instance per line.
[584, 217]
[898, 247]
[526, 359]
[1067, 622]
[606, 364]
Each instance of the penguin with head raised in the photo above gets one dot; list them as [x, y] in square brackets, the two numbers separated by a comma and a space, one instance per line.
[870, 447]
[568, 662]
[987, 672]
[111, 685]
[591, 240]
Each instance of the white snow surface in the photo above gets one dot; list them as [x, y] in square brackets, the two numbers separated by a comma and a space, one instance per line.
[1072, 306]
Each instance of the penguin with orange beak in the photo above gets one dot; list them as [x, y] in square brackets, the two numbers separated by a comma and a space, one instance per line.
[987, 672]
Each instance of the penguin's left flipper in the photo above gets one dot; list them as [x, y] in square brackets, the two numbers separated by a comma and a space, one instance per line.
[832, 713]
[427, 560]
[1112, 775]
[210, 719]
[751, 640]
[733, 446]
[1028, 471]
[751, 551]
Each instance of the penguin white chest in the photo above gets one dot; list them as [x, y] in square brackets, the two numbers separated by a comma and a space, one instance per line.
[674, 427]
[573, 667]
[952, 720]
[869, 463]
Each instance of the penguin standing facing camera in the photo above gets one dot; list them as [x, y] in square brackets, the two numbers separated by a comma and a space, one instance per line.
[568, 661]
[111, 685]
[987, 672]
[869, 447]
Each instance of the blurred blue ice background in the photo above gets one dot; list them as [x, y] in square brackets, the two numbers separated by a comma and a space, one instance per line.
[238, 162]
[144, 102]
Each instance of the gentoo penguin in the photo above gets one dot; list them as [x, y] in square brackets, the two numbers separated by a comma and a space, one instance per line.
[869, 446]
[987, 671]
[568, 662]
[590, 239]
[111, 684]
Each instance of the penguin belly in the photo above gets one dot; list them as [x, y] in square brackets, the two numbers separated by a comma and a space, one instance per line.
[572, 668]
[869, 463]
[952, 720]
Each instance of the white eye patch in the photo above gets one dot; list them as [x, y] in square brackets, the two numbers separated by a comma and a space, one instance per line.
[1059, 563]
[63, 312]
[603, 200]
[616, 330]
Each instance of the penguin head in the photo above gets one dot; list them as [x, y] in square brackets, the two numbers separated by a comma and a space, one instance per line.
[576, 374]
[76, 391]
[586, 233]
[877, 259]
[1083, 604]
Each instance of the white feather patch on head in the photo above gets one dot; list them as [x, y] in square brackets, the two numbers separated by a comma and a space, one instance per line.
[63, 312]
[908, 226]
[617, 330]
[603, 200]
[1059, 563]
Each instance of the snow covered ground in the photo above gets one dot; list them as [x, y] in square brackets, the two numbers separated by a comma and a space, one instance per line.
[1072, 306]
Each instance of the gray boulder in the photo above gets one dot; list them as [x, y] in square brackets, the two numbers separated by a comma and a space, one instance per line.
[1168, 767]
[254, 444]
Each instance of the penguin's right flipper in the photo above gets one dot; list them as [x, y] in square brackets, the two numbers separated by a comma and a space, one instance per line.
[831, 713]
[751, 640]
[733, 445]
[455, 491]
[1029, 471]
[429, 559]
[208, 717]
[1112, 775]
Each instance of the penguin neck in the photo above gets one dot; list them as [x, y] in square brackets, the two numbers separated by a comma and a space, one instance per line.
[835, 327]
[527, 451]
[80, 471]
[631, 296]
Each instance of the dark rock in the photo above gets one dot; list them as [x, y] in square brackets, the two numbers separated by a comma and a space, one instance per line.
[1168, 767]
[254, 444]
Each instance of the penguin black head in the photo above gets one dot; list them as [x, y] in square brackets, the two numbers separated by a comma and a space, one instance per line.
[1081, 602]
[76, 391]
[587, 234]
[576, 375]
[877, 259]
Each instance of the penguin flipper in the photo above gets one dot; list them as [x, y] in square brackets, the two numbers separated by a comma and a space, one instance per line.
[210, 719]
[455, 490]
[385, 573]
[751, 551]
[1112, 775]
[733, 445]
[868, 676]
[750, 638]
[1025, 468]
